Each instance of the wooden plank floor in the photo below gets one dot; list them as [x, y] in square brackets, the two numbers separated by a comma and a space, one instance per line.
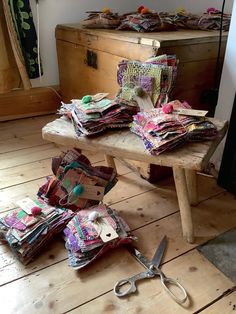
[48, 285]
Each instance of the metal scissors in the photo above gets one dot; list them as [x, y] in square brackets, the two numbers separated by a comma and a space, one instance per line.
[152, 271]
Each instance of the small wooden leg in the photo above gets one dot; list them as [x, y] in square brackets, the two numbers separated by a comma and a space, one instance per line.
[184, 206]
[110, 161]
[191, 178]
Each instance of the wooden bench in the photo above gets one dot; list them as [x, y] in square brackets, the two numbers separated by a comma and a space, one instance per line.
[185, 161]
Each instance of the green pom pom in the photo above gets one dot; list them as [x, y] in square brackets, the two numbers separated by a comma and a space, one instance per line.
[138, 91]
[86, 99]
[78, 189]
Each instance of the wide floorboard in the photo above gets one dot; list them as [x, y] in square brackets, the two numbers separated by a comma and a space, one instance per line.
[48, 285]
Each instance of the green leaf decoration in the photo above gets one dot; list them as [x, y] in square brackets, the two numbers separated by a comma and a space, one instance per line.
[31, 61]
[24, 15]
[35, 50]
[20, 4]
[25, 25]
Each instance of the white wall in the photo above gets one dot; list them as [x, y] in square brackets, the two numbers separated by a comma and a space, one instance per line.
[53, 12]
[197, 6]
[228, 83]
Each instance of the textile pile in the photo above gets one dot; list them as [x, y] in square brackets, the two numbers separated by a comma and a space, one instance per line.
[76, 184]
[162, 131]
[92, 232]
[26, 233]
[74, 188]
[211, 20]
[156, 77]
[92, 115]
[146, 20]
[139, 22]
[101, 19]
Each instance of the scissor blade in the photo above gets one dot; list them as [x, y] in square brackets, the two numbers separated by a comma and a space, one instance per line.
[159, 252]
[140, 257]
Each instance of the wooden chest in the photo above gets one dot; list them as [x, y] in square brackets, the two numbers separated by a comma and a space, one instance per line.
[88, 62]
[88, 59]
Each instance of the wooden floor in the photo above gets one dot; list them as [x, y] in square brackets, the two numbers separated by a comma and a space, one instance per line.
[48, 285]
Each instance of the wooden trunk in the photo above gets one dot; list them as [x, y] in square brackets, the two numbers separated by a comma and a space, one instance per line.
[88, 62]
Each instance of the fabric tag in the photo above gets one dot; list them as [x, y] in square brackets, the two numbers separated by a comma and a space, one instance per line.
[191, 112]
[105, 231]
[26, 204]
[93, 192]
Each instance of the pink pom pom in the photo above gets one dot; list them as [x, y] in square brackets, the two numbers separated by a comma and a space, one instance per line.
[36, 210]
[167, 108]
[211, 10]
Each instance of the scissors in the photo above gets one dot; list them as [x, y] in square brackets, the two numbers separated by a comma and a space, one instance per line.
[152, 271]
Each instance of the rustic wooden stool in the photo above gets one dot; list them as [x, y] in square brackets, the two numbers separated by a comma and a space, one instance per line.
[185, 161]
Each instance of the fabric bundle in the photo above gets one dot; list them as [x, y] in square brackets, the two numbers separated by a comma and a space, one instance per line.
[141, 22]
[101, 19]
[95, 116]
[26, 233]
[76, 184]
[156, 77]
[161, 131]
[92, 232]
[210, 20]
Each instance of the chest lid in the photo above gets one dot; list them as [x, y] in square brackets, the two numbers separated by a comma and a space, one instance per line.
[77, 34]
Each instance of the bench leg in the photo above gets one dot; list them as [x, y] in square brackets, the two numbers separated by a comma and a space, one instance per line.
[110, 161]
[191, 178]
[184, 206]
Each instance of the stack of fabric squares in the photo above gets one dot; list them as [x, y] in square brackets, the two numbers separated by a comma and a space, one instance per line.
[92, 232]
[162, 131]
[94, 116]
[159, 131]
[76, 183]
[28, 230]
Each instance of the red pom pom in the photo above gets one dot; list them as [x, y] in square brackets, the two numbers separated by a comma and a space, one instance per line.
[140, 8]
[145, 10]
[167, 108]
[36, 210]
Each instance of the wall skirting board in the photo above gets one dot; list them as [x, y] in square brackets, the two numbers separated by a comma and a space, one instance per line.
[22, 103]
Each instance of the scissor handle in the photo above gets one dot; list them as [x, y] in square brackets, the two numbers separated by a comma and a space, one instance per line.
[165, 280]
[131, 281]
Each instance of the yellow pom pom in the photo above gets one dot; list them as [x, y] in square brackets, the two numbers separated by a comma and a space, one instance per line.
[106, 10]
[181, 11]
